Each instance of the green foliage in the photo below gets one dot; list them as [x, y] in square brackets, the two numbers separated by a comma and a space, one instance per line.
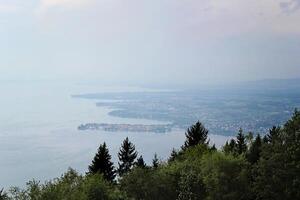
[140, 162]
[70, 186]
[241, 146]
[225, 177]
[102, 164]
[155, 161]
[246, 169]
[3, 195]
[127, 155]
[230, 148]
[254, 152]
[174, 155]
[273, 135]
[196, 134]
[278, 170]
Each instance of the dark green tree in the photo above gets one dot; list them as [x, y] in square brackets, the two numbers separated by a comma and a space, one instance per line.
[155, 161]
[213, 148]
[230, 148]
[173, 156]
[254, 152]
[140, 162]
[265, 140]
[102, 164]
[274, 134]
[278, 170]
[196, 134]
[241, 146]
[3, 195]
[127, 156]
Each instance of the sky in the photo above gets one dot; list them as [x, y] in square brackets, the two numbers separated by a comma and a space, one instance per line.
[157, 42]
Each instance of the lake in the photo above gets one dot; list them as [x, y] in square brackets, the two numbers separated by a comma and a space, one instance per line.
[39, 137]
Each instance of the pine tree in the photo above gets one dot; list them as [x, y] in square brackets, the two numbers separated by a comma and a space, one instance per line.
[3, 195]
[241, 146]
[155, 161]
[230, 148]
[213, 148]
[196, 134]
[254, 151]
[273, 134]
[102, 164]
[173, 156]
[265, 140]
[127, 155]
[140, 162]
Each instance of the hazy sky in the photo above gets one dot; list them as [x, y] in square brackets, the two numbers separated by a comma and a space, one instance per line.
[149, 41]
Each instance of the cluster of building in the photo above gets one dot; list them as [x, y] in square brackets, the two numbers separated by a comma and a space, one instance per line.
[157, 128]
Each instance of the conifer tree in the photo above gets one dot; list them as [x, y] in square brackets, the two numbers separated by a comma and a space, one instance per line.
[155, 161]
[273, 134]
[127, 155]
[140, 162]
[241, 146]
[174, 155]
[230, 148]
[102, 164]
[3, 195]
[265, 140]
[196, 134]
[254, 151]
[213, 148]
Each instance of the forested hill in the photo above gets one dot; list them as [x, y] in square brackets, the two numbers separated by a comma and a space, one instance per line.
[249, 167]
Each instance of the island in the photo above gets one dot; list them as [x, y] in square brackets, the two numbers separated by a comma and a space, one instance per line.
[155, 128]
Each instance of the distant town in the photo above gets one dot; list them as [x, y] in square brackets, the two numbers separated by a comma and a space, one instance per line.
[161, 128]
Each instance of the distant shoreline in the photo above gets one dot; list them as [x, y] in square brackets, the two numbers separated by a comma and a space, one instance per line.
[155, 128]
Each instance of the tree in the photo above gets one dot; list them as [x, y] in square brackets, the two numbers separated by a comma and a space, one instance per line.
[213, 148]
[127, 155]
[255, 150]
[3, 195]
[241, 146]
[274, 134]
[230, 148]
[196, 134]
[173, 156]
[225, 177]
[278, 170]
[249, 138]
[155, 161]
[140, 162]
[102, 164]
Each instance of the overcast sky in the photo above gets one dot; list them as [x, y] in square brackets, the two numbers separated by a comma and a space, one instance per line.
[149, 41]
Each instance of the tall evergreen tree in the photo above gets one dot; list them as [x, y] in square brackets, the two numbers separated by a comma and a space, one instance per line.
[213, 148]
[255, 150]
[241, 146]
[102, 164]
[3, 195]
[174, 155]
[140, 162]
[127, 155]
[155, 161]
[230, 148]
[274, 134]
[196, 134]
[265, 140]
[278, 172]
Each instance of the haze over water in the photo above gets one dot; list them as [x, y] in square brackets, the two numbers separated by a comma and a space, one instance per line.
[39, 137]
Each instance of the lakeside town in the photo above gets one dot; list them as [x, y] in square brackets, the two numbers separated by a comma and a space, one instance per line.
[159, 128]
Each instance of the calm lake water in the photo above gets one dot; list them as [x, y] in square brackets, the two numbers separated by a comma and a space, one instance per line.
[39, 137]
